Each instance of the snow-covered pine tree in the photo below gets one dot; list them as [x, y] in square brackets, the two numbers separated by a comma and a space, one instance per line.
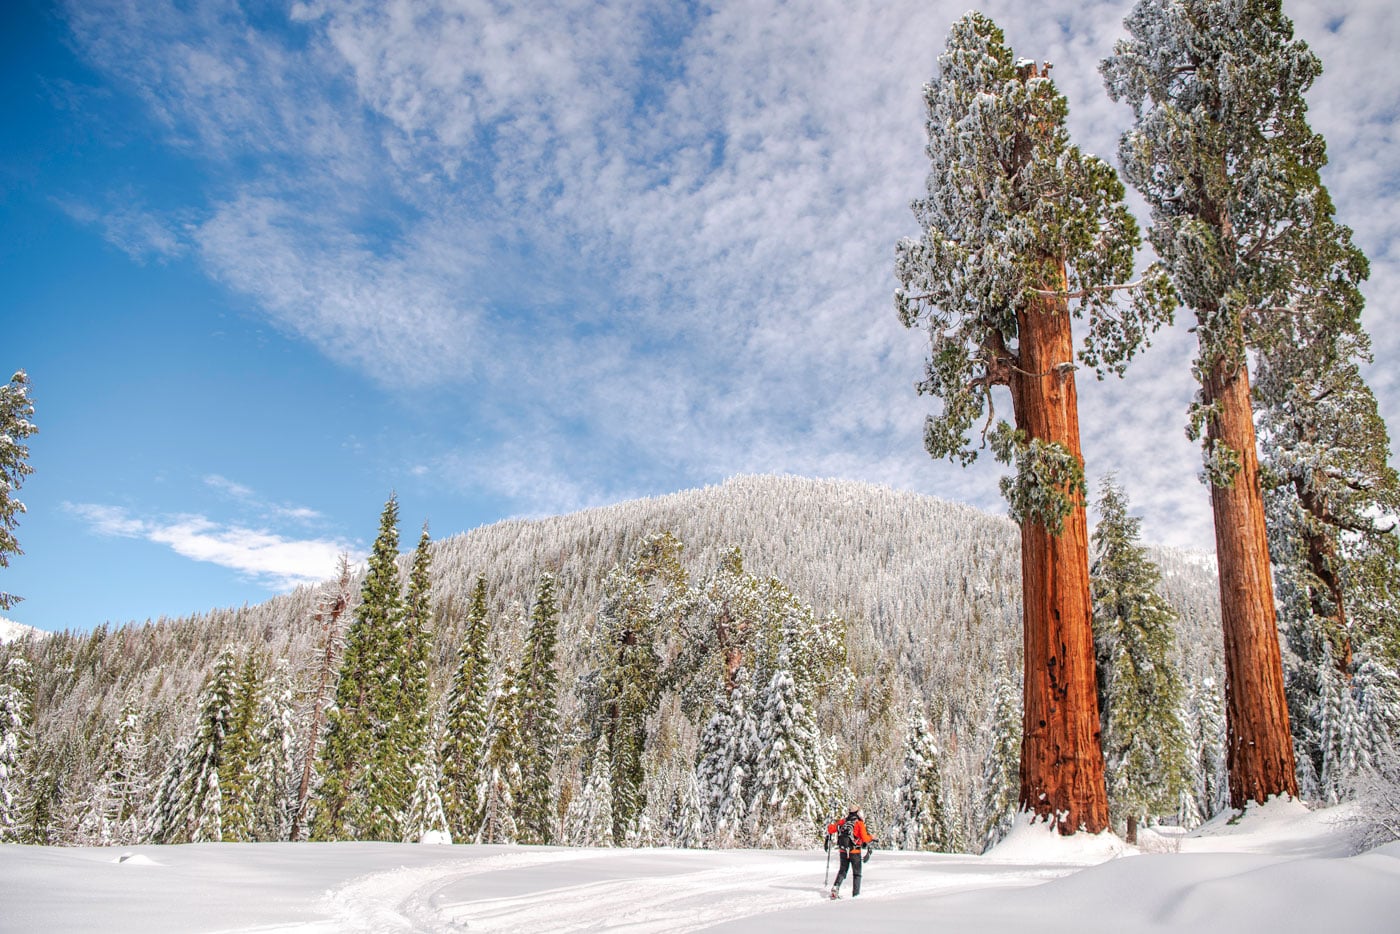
[921, 820]
[425, 817]
[1222, 151]
[114, 813]
[16, 410]
[644, 603]
[1210, 779]
[330, 610]
[16, 738]
[188, 807]
[464, 732]
[1000, 776]
[590, 818]
[1140, 690]
[790, 785]
[409, 742]
[356, 802]
[1017, 224]
[500, 781]
[538, 700]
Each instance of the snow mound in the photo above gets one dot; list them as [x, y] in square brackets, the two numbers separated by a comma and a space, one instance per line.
[1283, 825]
[1037, 841]
[135, 859]
[437, 838]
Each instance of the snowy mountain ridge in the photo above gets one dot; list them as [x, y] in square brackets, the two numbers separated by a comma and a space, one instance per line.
[11, 631]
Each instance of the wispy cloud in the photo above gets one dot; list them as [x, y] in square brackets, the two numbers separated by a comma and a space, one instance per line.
[668, 232]
[271, 560]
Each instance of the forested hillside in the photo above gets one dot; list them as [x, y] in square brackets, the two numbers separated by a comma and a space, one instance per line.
[922, 597]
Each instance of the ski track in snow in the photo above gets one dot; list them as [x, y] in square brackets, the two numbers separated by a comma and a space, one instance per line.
[422, 900]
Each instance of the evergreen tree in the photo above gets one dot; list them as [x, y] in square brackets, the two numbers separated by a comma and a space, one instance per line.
[537, 699]
[644, 602]
[411, 755]
[330, 609]
[16, 740]
[363, 790]
[1210, 781]
[240, 754]
[464, 733]
[590, 818]
[1000, 780]
[921, 821]
[501, 780]
[1017, 224]
[16, 410]
[1222, 151]
[1140, 692]
[789, 771]
[113, 815]
[426, 818]
[189, 804]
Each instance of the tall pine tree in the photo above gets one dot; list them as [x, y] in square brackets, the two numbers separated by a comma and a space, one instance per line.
[537, 698]
[464, 731]
[16, 738]
[1018, 225]
[921, 820]
[362, 791]
[1140, 691]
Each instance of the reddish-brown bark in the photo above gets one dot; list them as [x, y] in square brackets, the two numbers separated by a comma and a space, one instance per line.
[1062, 769]
[1259, 748]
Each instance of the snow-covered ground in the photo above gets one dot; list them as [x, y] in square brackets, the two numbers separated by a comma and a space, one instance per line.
[1279, 869]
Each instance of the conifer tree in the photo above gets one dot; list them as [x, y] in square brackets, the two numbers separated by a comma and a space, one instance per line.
[537, 698]
[921, 821]
[16, 739]
[359, 796]
[330, 610]
[426, 818]
[189, 806]
[1222, 151]
[1018, 224]
[16, 410]
[412, 755]
[590, 819]
[501, 780]
[113, 814]
[644, 602]
[464, 731]
[1000, 780]
[790, 783]
[1210, 779]
[1140, 692]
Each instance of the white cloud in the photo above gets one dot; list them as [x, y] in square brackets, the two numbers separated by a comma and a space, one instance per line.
[670, 236]
[271, 560]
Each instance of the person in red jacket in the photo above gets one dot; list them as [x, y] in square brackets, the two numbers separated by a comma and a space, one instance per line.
[853, 840]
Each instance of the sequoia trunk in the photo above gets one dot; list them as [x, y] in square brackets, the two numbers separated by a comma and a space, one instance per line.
[1259, 748]
[1062, 770]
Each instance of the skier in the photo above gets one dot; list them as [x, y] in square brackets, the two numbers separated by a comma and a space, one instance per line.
[853, 840]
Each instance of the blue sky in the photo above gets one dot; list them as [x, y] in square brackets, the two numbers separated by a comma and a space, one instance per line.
[267, 262]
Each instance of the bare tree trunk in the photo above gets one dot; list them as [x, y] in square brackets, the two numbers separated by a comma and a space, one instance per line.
[1259, 748]
[1130, 837]
[1062, 769]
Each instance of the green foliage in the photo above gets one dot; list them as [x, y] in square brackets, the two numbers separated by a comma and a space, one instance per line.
[367, 769]
[921, 821]
[1049, 481]
[16, 410]
[1013, 214]
[538, 719]
[1140, 692]
[16, 741]
[464, 731]
[1222, 151]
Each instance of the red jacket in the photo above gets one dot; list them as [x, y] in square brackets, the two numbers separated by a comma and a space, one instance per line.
[858, 832]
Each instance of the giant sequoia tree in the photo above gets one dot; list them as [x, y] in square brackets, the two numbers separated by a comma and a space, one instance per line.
[1022, 232]
[1222, 151]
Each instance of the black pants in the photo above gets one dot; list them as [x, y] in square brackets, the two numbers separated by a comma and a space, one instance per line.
[851, 861]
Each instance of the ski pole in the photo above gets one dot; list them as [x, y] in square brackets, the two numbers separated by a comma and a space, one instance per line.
[827, 878]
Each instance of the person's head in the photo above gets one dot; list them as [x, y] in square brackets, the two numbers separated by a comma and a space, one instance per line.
[857, 812]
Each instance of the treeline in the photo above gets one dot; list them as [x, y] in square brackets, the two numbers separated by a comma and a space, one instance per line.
[685, 663]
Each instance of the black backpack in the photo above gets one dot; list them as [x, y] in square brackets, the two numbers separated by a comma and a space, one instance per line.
[845, 835]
